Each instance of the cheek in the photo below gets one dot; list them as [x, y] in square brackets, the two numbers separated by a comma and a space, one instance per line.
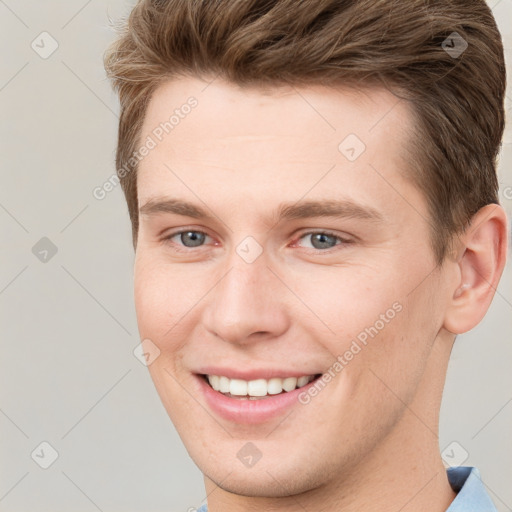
[152, 302]
[397, 356]
[163, 295]
[160, 303]
[381, 329]
[346, 303]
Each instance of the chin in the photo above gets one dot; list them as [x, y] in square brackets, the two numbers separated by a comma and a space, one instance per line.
[261, 486]
[266, 480]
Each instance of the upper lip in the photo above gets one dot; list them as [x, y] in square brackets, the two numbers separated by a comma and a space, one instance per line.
[254, 373]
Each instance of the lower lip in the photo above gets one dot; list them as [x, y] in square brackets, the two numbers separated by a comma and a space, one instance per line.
[247, 412]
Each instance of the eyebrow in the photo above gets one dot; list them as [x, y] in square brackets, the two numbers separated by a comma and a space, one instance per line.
[286, 211]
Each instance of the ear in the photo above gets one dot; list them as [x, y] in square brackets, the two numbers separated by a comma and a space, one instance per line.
[479, 263]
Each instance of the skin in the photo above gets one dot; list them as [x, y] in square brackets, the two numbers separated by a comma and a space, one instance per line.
[370, 438]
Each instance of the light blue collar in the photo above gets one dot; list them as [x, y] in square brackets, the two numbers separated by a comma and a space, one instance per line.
[471, 493]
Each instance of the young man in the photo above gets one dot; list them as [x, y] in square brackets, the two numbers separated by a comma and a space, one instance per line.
[313, 195]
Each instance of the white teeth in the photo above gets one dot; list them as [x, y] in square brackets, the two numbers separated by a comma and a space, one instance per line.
[274, 386]
[214, 381]
[290, 383]
[257, 387]
[302, 381]
[223, 384]
[238, 387]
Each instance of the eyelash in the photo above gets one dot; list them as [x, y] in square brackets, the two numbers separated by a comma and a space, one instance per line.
[344, 241]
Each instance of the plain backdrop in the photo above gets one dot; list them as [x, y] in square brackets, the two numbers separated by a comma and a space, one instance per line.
[69, 376]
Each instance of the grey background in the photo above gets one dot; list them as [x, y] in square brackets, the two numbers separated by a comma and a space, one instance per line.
[68, 373]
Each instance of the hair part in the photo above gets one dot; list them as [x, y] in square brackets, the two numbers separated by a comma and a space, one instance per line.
[458, 101]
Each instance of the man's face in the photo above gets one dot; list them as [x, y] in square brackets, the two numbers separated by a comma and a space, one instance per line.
[255, 290]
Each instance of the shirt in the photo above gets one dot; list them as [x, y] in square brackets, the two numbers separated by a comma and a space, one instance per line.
[471, 493]
[466, 482]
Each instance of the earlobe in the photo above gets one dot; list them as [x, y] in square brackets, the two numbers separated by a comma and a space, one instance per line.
[479, 269]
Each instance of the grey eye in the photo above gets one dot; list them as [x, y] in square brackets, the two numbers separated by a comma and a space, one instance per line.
[322, 240]
[192, 238]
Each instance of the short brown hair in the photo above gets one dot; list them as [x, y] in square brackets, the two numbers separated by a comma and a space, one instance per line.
[444, 56]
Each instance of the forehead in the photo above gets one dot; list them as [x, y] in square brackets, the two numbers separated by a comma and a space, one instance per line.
[252, 110]
[253, 138]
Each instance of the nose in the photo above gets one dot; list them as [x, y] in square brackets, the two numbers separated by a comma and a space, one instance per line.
[249, 303]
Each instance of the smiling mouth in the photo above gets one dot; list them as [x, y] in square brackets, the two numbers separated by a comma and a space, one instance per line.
[257, 389]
